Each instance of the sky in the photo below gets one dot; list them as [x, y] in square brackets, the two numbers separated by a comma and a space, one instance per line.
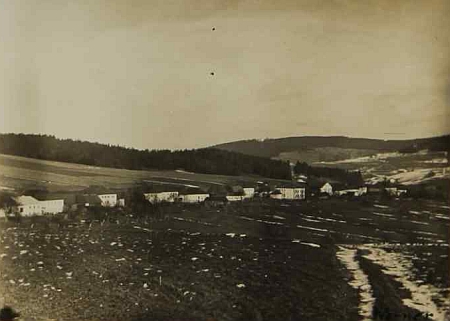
[181, 74]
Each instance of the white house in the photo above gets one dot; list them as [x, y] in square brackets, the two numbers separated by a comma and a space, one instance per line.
[28, 206]
[235, 198]
[154, 198]
[193, 198]
[394, 191]
[52, 206]
[327, 189]
[355, 191]
[292, 193]
[249, 192]
[108, 200]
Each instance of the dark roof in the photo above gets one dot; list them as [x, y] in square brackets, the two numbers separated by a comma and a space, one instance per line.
[236, 194]
[292, 185]
[68, 198]
[216, 199]
[91, 199]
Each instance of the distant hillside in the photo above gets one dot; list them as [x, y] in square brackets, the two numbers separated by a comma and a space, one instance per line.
[311, 146]
[206, 160]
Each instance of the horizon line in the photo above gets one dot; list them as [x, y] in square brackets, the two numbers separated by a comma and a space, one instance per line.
[224, 143]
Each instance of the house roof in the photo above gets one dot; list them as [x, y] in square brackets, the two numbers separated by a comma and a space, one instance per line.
[91, 199]
[25, 200]
[198, 193]
[292, 185]
[216, 199]
[235, 194]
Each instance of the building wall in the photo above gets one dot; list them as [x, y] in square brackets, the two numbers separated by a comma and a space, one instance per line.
[292, 193]
[151, 197]
[30, 210]
[168, 196]
[52, 206]
[327, 188]
[108, 200]
[233, 198]
[193, 198]
[161, 197]
[249, 192]
[355, 191]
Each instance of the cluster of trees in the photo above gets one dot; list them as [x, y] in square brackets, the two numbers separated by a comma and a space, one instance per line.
[206, 160]
[338, 174]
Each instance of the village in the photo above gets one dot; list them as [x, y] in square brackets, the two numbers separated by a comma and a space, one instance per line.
[300, 189]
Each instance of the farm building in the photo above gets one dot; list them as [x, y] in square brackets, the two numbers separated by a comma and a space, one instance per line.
[193, 198]
[52, 206]
[352, 191]
[327, 189]
[235, 198]
[249, 192]
[292, 192]
[108, 200]
[394, 191]
[154, 198]
[68, 199]
[27, 206]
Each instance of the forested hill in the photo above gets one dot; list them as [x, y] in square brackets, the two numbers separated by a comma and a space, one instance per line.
[206, 160]
[274, 147]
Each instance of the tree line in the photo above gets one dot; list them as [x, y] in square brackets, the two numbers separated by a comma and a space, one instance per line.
[204, 160]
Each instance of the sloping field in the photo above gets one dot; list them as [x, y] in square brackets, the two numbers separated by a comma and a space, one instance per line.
[407, 169]
[325, 154]
[20, 172]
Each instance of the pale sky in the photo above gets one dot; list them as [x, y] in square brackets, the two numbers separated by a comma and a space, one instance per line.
[138, 72]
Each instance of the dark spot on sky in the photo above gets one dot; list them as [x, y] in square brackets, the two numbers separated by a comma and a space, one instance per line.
[213, 28]
[211, 73]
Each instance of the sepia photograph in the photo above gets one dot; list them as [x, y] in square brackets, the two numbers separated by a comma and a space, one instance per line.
[224, 160]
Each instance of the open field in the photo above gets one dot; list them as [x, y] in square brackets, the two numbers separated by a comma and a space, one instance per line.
[259, 260]
[407, 169]
[24, 173]
[325, 154]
